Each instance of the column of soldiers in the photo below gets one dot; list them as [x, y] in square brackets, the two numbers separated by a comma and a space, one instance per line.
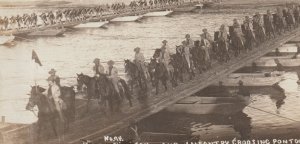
[76, 14]
[240, 38]
[253, 31]
[200, 53]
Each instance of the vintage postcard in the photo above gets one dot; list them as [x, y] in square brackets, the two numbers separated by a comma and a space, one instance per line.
[149, 71]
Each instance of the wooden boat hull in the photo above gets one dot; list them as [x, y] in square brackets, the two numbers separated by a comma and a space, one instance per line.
[6, 39]
[287, 48]
[248, 81]
[126, 19]
[208, 4]
[208, 105]
[47, 32]
[185, 9]
[199, 6]
[271, 63]
[91, 25]
[158, 13]
[253, 79]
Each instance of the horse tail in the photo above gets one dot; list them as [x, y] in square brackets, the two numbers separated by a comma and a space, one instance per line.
[126, 88]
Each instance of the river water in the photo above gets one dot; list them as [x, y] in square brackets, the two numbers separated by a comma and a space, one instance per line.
[74, 52]
[271, 114]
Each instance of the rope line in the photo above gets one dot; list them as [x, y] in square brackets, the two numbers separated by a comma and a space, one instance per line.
[273, 114]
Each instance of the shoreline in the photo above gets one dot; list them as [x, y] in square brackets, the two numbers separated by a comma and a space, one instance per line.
[226, 4]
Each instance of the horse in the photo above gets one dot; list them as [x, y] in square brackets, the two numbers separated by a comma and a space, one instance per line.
[92, 90]
[95, 85]
[47, 110]
[136, 75]
[249, 36]
[237, 41]
[175, 61]
[107, 90]
[158, 72]
[182, 62]
[279, 23]
[198, 57]
[220, 48]
[269, 27]
[174, 70]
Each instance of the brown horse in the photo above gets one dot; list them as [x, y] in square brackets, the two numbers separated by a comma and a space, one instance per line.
[136, 75]
[102, 89]
[47, 111]
[158, 72]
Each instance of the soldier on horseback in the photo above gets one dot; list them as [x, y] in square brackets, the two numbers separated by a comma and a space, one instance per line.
[258, 27]
[54, 93]
[98, 68]
[297, 15]
[206, 35]
[113, 75]
[237, 37]
[268, 19]
[223, 44]
[290, 19]
[249, 35]
[206, 56]
[164, 56]
[139, 61]
[189, 44]
[54, 77]
[279, 21]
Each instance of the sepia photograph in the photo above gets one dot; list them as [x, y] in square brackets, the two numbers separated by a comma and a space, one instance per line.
[150, 71]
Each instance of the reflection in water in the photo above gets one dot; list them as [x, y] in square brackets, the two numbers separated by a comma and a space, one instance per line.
[171, 127]
[242, 124]
[253, 121]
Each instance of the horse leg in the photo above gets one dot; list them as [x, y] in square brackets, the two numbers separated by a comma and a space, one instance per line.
[53, 125]
[87, 104]
[156, 85]
[39, 127]
[110, 103]
[126, 91]
[131, 86]
[144, 82]
[174, 82]
[164, 82]
[181, 75]
[140, 84]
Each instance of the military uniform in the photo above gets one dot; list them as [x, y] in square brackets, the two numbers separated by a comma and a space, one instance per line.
[112, 73]
[164, 57]
[139, 60]
[98, 69]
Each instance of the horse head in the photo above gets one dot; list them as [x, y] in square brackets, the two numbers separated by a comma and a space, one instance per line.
[35, 95]
[152, 65]
[126, 65]
[81, 80]
[156, 53]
